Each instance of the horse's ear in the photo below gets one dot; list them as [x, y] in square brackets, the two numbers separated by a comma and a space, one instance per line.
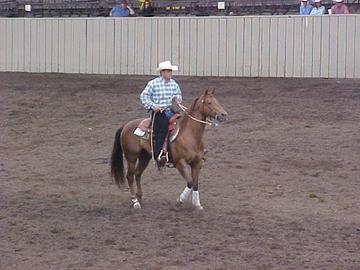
[206, 92]
[213, 91]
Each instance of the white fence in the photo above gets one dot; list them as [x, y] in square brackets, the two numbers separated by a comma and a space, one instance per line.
[262, 46]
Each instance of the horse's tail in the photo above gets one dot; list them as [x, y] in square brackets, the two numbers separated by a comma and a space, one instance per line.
[117, 164]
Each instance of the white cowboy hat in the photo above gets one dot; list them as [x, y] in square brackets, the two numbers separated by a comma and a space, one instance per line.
[166, 65]
[317, 1]
[339, 1]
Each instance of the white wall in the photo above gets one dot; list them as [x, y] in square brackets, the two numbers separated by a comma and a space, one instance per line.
[262, 46]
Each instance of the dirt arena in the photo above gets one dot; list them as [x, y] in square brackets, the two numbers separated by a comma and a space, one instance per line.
[280, 187]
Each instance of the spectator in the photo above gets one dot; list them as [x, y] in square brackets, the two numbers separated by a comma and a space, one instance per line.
[148, 10]
[318, 9]
[339, 8]
[124, 10]
[142, 3]
[305, 7]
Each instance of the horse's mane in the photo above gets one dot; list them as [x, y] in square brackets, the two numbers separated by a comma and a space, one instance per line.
[190, 110]
[192, 107]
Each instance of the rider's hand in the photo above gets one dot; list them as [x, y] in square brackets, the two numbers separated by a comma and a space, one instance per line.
[176, 99]
[157, 109]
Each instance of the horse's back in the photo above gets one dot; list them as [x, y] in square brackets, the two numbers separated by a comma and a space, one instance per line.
[132, 124]
[129, 140]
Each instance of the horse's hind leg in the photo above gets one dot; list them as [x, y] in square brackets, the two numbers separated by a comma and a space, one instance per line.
[144, 159]
[130, 177]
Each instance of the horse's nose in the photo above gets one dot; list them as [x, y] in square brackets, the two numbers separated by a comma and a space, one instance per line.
[223, 116]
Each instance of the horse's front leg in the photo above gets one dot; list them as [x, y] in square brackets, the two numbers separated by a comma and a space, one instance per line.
[195, 170]
[186, 194]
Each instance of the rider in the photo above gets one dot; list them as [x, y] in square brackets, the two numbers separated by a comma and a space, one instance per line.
[158, 95]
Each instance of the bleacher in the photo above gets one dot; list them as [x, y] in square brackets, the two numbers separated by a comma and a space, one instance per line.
[239, 7]
[93, 8]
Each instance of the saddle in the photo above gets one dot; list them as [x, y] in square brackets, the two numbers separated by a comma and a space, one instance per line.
[143, 130]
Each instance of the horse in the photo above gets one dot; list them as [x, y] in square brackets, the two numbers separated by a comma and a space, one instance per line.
[187, 149]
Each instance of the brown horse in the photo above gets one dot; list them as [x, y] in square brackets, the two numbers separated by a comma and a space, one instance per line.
[187, 149]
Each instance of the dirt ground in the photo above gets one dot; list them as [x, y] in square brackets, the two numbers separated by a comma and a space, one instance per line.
[280, 187]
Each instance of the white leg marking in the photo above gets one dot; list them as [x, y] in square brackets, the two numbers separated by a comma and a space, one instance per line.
[184, 196]
[196, 200]
[136, 203]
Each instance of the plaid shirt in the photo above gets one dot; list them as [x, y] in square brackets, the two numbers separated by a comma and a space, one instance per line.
[159, 93]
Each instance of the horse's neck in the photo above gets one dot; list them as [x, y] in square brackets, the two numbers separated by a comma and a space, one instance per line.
[192, 127]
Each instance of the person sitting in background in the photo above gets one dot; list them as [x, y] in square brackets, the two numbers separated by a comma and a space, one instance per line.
[142, 3]
[339, 8]
[124, 10]
[318, 9]
[148, 10]
[305, 7]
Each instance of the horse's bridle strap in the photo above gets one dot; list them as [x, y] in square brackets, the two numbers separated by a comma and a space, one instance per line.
[183, 108]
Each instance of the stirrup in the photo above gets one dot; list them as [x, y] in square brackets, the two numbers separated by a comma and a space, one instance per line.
[162, 159]
[161, 155]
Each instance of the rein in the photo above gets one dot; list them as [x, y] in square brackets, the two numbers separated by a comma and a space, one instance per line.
[184, 109]
[151, 136]
[211, 123]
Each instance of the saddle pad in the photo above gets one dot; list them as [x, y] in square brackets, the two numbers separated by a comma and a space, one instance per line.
[144, 128]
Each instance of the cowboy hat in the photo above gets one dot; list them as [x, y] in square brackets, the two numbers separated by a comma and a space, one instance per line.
[166, 65]
[317, 1]
[339, 1]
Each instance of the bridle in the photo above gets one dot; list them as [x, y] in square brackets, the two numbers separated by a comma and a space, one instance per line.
[207, 122]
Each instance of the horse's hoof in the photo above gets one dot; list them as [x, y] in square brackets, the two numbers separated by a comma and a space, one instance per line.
[137, 205]
[199, 207]
[178, 203]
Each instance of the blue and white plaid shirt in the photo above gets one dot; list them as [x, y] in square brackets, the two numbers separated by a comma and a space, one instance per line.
[159, 93]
